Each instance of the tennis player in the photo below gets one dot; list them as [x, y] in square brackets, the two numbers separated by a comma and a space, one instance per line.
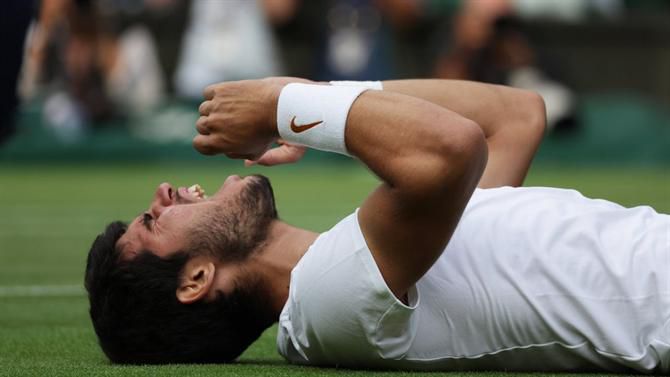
[447, 265]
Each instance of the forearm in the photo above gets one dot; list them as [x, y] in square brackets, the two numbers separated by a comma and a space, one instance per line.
[411, 144]
[493, 107]
[513, 121]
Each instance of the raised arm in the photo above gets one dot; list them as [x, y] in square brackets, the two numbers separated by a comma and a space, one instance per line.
[428, 157]
[430, 160]
[513, 121]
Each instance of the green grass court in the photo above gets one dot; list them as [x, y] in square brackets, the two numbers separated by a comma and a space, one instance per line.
[51, 213]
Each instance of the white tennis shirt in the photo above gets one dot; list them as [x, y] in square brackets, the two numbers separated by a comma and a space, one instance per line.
[532, 279]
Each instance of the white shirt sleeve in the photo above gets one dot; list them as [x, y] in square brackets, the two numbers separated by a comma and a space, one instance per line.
[337, 301]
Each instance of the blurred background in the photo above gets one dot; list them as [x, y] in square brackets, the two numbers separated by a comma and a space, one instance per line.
[117, 80]
[98, 101]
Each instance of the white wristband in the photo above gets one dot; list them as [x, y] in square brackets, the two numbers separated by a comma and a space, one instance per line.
[315, 115]
[375, 85]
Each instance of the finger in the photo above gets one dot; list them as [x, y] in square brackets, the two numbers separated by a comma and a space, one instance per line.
[272, 157]
[248, 163]
[201, 126]
[204, 145]
[283, 154]
[209, 92]
[205, 108]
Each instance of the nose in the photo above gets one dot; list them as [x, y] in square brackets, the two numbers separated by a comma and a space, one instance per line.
[162, 199]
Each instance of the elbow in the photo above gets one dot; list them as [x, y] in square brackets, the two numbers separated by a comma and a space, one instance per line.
[451, 161]
[463, 158]
[533, 116]
[470, 155]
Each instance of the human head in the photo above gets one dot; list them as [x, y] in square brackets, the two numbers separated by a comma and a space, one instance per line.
[140, 277]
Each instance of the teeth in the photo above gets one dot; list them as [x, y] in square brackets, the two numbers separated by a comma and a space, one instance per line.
[197, 191]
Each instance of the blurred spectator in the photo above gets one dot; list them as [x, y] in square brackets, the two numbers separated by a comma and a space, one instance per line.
[355, 42]
[488, 44]
[486, 41]
[347, 39]
[91, 61]
[91, 71]
[14, 20]
[228, 40]
[523, 64]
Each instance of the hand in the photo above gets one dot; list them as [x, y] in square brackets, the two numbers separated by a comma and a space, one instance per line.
[238, 119]
[283, 154]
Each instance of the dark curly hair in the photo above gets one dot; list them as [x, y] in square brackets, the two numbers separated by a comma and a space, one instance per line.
[138, 319]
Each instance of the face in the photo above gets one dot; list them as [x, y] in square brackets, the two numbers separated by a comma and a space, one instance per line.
[229, 224]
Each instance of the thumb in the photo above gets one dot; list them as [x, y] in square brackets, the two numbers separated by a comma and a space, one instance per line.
[283, 154]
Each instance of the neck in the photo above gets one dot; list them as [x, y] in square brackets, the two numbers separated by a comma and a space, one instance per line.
[283, 249]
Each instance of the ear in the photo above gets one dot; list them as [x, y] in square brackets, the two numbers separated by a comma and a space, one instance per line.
[196, 280]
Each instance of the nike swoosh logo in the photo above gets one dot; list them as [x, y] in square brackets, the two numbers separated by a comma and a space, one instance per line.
[303, 127]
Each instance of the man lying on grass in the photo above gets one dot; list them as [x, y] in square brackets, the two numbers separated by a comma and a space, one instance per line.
[447, 265]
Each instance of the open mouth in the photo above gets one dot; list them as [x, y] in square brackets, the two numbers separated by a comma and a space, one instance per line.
[195, 193]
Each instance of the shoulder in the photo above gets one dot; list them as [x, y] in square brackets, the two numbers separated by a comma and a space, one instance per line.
[337, 245]
[338, 260]
[337, 297]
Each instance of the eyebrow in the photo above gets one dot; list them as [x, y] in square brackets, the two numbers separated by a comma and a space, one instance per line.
[143, 217]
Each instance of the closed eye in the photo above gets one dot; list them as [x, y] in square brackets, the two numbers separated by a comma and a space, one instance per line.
[146, 220]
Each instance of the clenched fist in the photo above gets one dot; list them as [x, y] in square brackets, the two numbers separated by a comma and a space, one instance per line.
[238, 118]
